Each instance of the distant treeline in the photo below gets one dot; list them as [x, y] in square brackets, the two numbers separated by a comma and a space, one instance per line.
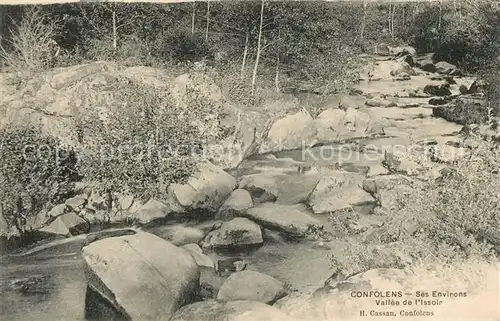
[293, 32]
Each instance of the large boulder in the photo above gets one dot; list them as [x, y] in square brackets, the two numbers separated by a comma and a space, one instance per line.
[197, 253]
[252, 286]
[382, 49]
[66, 225]
[284, 218]
[291, 132]
[76, 203]
[152, 211]
[141, 276]
[403, 51]
[262, 187]
[446, 68]
[178, 234]
[426, 62]
[402, 67]
[338, 125]
[239, 201]
[239, 232]
[377, 184]
[229, 311]
[387, 69]
[206, 190]
[249, 129]
[437, 90]
[338, 190]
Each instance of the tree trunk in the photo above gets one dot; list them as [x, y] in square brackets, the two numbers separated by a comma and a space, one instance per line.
[277, 77]
[193, 18]
[392, 20]
[440, 14]
[390, 16]
[363, 23]
[254, 76]
[243, 63]
[403, 17]
[115, 40]
[208, 20]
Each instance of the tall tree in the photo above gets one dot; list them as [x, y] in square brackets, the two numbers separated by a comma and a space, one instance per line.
[259, 45]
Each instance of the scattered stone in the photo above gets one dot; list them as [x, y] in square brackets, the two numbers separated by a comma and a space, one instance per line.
[402, 68]
[197, 253]
[376, 102]
[382, 49]
[426, 63]
[76, 225]
[152, 211]
[290, 132]
[261, 187]
[386, 182]
[229, 266]
[338, 190]
[76, 203]
[395, 198]
[438, 101]
[446, 68]
[239, 201]
[178, 234]
[391, 279]
[94, 218]
[58, 210]
[478, 86]
[35, 222]
[437, 90]
[377, 170]
[253, 286]
[67, 224]
[428, 142]
[235, 233]
[33, 285]
[283, 218]
[123, 202]
[141, 275]
[97, 201]
[229, 311]
[402, 77]
[403, 51]
[210, 283]
[338, 125]
[206, 190]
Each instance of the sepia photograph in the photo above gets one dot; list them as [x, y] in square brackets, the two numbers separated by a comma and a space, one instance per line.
[249, 160]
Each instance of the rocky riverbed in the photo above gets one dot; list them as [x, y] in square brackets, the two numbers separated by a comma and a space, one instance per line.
[256, 230]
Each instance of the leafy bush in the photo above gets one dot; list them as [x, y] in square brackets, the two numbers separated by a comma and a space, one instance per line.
[469, 40]
[36, 170]
[147, 141]
[31, 47]
[463, 113]
[182, 46]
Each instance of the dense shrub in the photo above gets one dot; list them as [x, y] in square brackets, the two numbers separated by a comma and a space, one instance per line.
[31, 47]
[36, 170]
[146, 141]
[463, 112]
[182, 46]
[469, 40]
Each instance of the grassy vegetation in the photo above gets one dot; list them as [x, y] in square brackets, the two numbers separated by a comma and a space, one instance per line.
[452, 219]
